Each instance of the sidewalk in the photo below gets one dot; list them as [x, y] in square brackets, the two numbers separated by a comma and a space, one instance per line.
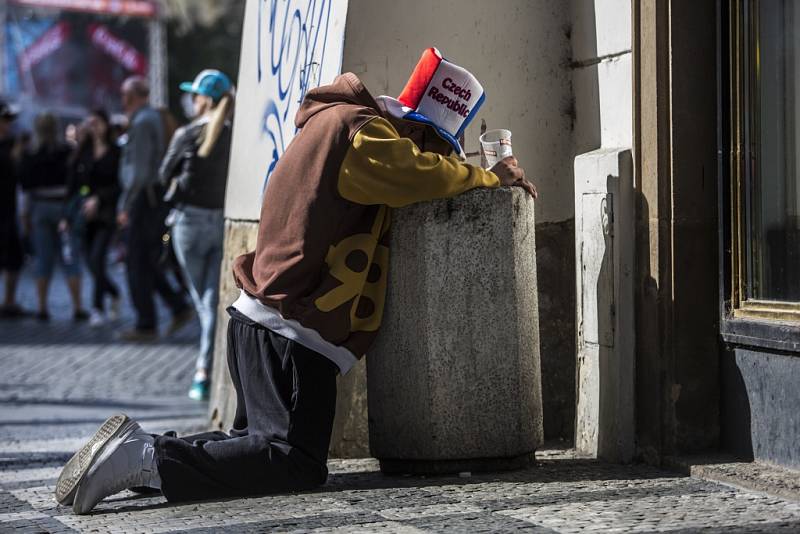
[59, 381]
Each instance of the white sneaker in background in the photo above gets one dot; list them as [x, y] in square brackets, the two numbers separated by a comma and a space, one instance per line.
[96, 318]
[116, 303]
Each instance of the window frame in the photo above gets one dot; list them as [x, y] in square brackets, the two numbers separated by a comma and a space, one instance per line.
[743, 92]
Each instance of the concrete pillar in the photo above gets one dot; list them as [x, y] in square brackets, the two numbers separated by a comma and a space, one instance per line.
[604, 244]
[453, 378]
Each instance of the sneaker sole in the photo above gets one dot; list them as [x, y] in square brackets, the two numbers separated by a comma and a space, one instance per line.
[77, 466]
[100, 455]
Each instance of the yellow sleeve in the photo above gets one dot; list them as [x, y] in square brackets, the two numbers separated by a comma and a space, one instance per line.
[381, 167]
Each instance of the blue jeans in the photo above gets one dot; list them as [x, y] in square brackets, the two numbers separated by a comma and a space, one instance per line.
[197, 235]
[47, 245]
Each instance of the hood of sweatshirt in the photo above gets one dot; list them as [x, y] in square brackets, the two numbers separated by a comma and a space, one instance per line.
[345, 89]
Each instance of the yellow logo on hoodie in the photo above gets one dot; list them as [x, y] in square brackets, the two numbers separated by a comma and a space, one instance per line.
[367, 286]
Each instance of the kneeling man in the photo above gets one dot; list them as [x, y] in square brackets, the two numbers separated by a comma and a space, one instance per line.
[312, 293]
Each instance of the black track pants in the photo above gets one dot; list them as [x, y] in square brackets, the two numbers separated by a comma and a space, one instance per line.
[286, 399]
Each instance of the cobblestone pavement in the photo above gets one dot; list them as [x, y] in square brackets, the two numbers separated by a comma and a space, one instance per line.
[60, 381]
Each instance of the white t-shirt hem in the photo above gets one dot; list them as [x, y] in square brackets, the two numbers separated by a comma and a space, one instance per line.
[271, 319]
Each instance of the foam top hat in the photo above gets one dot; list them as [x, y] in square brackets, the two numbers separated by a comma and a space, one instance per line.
[441, 94]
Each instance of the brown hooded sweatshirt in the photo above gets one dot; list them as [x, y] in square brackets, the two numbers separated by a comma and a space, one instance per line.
[320, 268]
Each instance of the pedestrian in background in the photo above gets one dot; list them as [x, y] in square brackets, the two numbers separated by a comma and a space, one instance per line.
[195, 170]
[43, 177]
[94, 188]
[11, 256]
[142, 211]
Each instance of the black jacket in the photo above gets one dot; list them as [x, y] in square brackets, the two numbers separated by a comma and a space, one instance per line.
[45, 172]
[8, 181]
[97, 177]
[197, 181]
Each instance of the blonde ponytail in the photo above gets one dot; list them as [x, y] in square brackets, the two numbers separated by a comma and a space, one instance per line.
[214, 127]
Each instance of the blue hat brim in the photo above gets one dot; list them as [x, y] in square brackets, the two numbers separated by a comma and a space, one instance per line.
[444, 134]
[187, 87]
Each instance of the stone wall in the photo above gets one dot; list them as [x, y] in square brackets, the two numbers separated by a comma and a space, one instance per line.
[756, 423]
[554, 259]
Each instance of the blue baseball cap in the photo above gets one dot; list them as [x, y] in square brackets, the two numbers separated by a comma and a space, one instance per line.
[210, 82]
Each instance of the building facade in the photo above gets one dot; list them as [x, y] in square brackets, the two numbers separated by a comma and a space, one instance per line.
[683, 335]
[717, 330]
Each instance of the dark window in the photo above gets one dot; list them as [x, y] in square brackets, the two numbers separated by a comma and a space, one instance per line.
[765, 162]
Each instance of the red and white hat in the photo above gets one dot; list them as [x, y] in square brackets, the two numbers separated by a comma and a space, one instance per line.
[441, 94]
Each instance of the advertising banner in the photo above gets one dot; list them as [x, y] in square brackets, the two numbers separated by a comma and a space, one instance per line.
[128, 8]
[70, 62]
[288, 48]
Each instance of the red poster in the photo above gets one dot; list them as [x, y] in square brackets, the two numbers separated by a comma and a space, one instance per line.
[119, 49]
[45, 45]
[131, 8]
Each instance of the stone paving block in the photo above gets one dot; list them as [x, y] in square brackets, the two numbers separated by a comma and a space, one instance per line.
[476, 523]
[562, 493]
[369, 528]
[618, 498]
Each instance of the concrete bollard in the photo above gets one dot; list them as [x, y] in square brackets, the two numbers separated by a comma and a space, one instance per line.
[454, 379]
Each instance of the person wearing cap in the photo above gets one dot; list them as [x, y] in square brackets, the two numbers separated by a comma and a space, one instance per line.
[194, 171]
[312, 292]
[10, 245]
[142, 212]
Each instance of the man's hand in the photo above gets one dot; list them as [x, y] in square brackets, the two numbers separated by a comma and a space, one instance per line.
[122, 219]
[510, 173]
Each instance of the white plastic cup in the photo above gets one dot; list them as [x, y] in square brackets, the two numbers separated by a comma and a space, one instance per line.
[496, 145]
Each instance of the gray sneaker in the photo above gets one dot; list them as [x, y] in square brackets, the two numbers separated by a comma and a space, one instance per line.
[127, 461]
[76, 467]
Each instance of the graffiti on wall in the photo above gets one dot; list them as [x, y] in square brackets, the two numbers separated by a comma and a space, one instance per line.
[288, 48]
[291, 53]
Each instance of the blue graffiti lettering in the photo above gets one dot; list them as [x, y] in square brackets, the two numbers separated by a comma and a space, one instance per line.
[293, 37]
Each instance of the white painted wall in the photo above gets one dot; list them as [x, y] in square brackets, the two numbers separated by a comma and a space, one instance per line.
[604, 217]
[557, 74]
[285, 52]
[602, 74]
[518, 49]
